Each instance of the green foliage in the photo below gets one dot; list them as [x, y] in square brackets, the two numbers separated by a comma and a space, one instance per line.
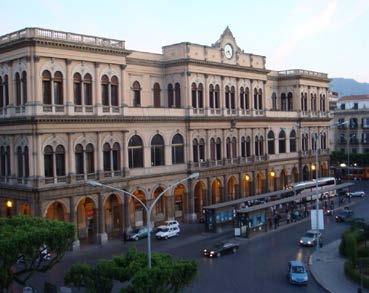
[166, 275]
[339, 157]
[352, 273]
[23, 236]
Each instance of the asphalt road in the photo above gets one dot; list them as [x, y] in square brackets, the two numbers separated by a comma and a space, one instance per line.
[259, 266]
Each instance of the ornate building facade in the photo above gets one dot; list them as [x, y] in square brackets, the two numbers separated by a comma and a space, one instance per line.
[76, 108]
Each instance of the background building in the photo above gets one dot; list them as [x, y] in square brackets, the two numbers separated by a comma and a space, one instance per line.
[76, 107]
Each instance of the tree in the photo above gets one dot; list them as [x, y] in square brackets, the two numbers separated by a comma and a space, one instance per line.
[166, 274]
[22, 243]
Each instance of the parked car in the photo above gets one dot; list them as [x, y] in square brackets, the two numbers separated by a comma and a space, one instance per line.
[297, 273]
[344, 215]
[356, 194]
[171, 224]
[221, 248]
[44, 255]
[138, 233]
[164, 232]
[311, 237]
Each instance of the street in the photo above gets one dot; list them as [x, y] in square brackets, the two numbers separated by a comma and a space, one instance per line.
[260, 265]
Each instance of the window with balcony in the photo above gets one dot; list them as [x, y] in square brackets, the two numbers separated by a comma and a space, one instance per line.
[274, 101]
[79, 159]
[46, 87]
[289, 101]
[177, 95]
[292, 141]
[156, 94]
[282, 142]
[54, 160]
[177, 149]
[283, 102]
[18, 98]
[271, 143]
[58, 88]
[228, 148]
[157, 151]
[135, 152]
[136, 87]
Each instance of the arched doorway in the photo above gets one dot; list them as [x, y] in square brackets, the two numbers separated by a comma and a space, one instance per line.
[179, 195]
[231, 188]
[259, 183]
[199, 196]
[295, 175]
[25, 209]
[159, 209]
[246, 185]
[137, 211]
[216, 191]
[305, 173]
[56, 211]
[86, 220]
[324, 170]
[283, 179]
[272, 181]
[113, 216]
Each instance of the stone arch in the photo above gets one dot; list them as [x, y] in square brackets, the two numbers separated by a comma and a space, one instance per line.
[259, 183]
[283, 179]
[246, 184]
[199, 198]
[87, 219]
[294, 175]
[110, 72]
[136, 210]
[179, 195]
[54, 142]
[84, 141]
[160, 209]
[231, 188]
[112, 212]
[52, 67]
[305, 173]
[56, 210]
[83, 69]
[216, 191]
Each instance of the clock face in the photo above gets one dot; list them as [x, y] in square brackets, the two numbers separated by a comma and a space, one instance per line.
[228, 51]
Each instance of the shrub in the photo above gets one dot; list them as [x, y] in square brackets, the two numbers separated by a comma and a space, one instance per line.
[354, 275]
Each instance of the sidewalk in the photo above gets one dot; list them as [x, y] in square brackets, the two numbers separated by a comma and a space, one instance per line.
[326, 266]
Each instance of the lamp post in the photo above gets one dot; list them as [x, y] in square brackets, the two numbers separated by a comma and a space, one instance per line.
[148, 209]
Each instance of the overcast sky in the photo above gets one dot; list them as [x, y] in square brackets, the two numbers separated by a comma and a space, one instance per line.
[323, 35]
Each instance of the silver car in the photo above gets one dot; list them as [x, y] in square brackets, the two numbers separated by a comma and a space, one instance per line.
[356, 194]
[310, 238]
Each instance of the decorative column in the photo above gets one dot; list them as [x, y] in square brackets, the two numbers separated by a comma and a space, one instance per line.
[99, 165]
[205, 95]
[208, 199]
[252, 185]
[224, 190]
[122, 87]
[29, 86]
[241, 187]
[11, 85]
[68, 85]
[102, 237]
[71, 162]
[207, 146]
[72, 219]
[266, 182]
[97, 92]
[190, 213]
[124, 155]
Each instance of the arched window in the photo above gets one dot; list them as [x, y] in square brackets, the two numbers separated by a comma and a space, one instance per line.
[257, 153]
[77, 89]
[248, 146]
[271, 143]
[260, 95]
[227, 97]
[26, 161]
[20, 161]
[177, 149]
[202, 150]
[289, 101]
[292, 141]
[283, 102]
[195, 150]
[200, 96]
[170, 96]
[58, 88]
[157, 91]
[194, 95]
[305, 142]
[24, 86]
[46, 87]
[116, 156]
[90, 162]
[247, 97]
[135, 152]
[261, 147]
[212, 149]
[234, 147]
[228, 148]
[6, 90]
[87, 84]
[105, 90]
[177, 94]
[60, 160]
[242, 99]
[302, 102]
[282, 142]
[218, 147]
[305, 102]
[157, 151]
[114, 91]
[136, 94]
[106, 157]
[211, 97]
[78, 151]
[233, 97]
[323, 103]
[2, 161]
[2, 102]
[18, 98]
[255, 99]
[314, 141]
[274, 101]
[217, 97]
[243, 147]
[49, 161]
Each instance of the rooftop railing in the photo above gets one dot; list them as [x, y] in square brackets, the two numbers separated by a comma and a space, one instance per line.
[62, 36]
[302, 72]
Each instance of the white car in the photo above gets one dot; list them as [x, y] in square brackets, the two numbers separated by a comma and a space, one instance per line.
[164, 232]
[171, 224]
[356, 194]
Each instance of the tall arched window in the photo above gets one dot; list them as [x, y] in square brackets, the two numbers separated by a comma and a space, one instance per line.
[90, 162]
[283, 102]
[170, 96]
[289, 101]
[211, 97]
[256, 99]
[274, 101]
[177, 149]
[105, 90]
[49, 161]
[302, 102]
[227, 97]
[177, 94]
[271, 143]
[2, 102]
[282, 142]
[323, 103]
[60, 160]
[46, 87]
[20, 161]
[233, 97]
[248, 146]
[2, 161]
[78, 151]
[18, 98]
[87, 84]
[26, 161]
[58, 88]
[218, 147]
[305, 102]
[114, 91]
[157, 151]
[202, 150]
[135, 152]
[257, 153]
[106, 157]
[292, 141]
[24, 87]
[234, 147]
[77, 89]
[195, 150]
[228, 148]
[314, 141]
[242, 99]
[116, 156]
[156, 93]
[194, 95]
[261, 147]
[260, 96]
[243, 147]
[247, 97]
[212, 149]
[6, 90]
[136, 94]
[200, 96]
[217, 97]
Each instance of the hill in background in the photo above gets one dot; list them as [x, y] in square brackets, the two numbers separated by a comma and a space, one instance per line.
[348, 86]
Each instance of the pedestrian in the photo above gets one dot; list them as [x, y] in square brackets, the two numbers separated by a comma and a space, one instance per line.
[275, 219]
[288, 217]
[270, 222]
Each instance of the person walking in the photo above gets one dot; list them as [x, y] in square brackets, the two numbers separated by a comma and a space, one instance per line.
[288, 217]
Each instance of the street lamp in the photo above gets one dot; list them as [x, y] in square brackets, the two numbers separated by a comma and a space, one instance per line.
[148, 209]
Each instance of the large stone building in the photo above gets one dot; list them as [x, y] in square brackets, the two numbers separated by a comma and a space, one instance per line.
[76, 107]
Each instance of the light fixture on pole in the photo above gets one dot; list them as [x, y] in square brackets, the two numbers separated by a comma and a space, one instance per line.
[148, 209]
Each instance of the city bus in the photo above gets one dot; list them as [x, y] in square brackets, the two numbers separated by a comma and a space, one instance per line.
[309, 186]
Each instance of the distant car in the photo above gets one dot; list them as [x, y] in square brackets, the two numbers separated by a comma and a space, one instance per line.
[356, 194]
[138, 233]
[310, 238]
[221, 248]
[297, 273]
[164, 232]
[344, 215]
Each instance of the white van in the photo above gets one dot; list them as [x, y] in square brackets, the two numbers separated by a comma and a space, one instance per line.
[165, 232]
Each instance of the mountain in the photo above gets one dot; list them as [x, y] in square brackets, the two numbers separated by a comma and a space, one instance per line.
[348, 86]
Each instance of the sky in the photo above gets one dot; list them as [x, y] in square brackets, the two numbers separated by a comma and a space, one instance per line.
[330, 36]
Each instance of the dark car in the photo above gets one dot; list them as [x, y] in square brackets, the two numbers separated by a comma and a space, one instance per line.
[221, 249]
[137, 233]
[344, 215]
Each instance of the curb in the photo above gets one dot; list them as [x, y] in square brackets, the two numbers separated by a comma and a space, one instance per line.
[314, 277]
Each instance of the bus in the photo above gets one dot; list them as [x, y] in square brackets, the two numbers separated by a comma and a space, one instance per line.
[352, 173]
[309, 186]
